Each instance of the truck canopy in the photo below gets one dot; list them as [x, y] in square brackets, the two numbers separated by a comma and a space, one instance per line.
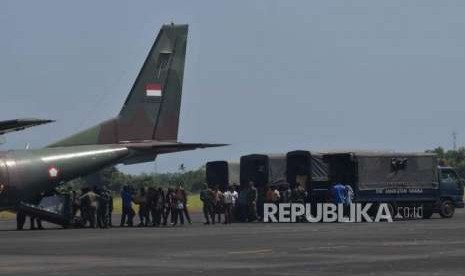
[380, 171]
[305, 164]
[263, 169]
[222, 173]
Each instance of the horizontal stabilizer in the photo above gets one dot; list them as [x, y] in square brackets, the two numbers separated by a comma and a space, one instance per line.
[20, 124]
[164, 147]
[148, 150]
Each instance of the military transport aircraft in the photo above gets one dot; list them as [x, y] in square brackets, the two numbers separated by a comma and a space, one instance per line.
[146, 126]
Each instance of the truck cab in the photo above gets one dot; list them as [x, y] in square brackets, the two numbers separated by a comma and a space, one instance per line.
[450, 192]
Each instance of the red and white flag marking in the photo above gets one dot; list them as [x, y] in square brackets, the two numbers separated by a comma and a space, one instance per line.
[153, 90]
[53, 172]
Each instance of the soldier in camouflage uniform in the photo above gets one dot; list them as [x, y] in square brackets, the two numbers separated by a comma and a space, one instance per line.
[252, 195]
[298, 196]
[159, 203]
[110, 207]
[206, 196]
[102, 208]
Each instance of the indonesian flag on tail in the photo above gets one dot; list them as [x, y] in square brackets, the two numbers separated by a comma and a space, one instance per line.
[153, 90]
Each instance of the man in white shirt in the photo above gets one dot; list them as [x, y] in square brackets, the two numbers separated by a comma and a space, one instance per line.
[228, 199]
[235, 195]
[235, 202]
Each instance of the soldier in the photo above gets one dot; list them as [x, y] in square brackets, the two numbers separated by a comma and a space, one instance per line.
[286, 194]
[20, 220]
[170, 206]
[110, 208]
[151, 204]
[179, 207]
[159, 203]
[242, 204]
[298, 196]
[128, 212]
[68, 206]
[89, 200]
[83, 203]
[261, 197]
[206, 196]
[103, 207]
[184, 200]
[39, 223]
[75, 203]
[252, 195]
[141, 200]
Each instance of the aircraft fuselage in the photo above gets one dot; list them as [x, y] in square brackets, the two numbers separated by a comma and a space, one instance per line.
[25, 175]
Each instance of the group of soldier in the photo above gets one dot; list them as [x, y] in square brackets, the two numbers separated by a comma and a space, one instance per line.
[245, 204]
[95, 206]
[157, 207]
[162, 207]
[217, 202]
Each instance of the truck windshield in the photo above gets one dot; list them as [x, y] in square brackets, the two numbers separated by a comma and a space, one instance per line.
[449, 176]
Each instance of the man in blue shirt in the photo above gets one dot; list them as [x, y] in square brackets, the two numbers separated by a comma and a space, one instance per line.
[126, 198]
[338, 192]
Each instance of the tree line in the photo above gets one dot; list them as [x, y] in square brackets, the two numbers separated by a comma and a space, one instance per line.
[114, 179]
[452, 158]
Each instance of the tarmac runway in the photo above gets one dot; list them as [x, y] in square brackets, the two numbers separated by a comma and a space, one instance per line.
[420, 247]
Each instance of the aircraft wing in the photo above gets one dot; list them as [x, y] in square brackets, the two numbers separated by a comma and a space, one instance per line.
[20, 124]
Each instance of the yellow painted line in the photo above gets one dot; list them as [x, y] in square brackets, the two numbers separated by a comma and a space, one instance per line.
[258, 251]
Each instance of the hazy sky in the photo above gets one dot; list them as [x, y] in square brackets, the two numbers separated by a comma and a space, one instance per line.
[264, 76]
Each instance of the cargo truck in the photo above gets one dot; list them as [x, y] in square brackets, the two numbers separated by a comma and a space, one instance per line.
[402, 180]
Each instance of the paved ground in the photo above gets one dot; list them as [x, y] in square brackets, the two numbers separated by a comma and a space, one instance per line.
[427, 247]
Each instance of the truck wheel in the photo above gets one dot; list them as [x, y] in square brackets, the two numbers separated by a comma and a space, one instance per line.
[447, 209]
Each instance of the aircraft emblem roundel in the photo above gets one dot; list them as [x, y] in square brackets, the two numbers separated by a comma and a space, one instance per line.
[53, 172]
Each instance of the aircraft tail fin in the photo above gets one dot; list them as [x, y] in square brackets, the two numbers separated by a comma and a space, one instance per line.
[151, 110]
